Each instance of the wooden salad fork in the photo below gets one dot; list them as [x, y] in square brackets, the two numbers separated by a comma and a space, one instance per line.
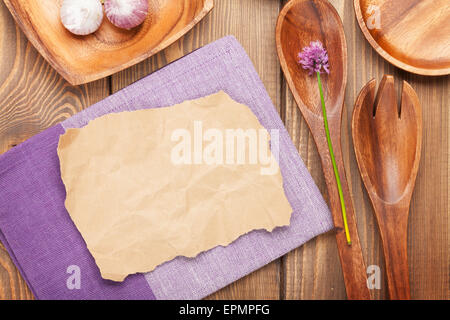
[299, 23]
[388, 143]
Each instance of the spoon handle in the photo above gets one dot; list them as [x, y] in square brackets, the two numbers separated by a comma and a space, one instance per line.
[351, 257]
[393, 225]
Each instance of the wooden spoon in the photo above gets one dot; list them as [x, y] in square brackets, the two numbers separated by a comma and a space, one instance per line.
[387, 143]
[299, 23]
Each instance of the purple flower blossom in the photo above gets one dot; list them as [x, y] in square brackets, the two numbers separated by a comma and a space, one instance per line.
[314, 58]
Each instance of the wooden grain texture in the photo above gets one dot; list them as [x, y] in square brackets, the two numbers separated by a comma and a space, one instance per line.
[38, 97]
[387, 137]
[413, 35]
[82, 59]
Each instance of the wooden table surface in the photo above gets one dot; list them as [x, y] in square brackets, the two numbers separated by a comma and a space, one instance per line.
[34, 97]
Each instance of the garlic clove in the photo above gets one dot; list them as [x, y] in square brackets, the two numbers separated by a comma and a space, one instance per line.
[126, 14]
[81, 17]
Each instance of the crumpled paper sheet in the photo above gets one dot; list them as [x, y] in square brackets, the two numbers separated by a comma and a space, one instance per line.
[137, 208]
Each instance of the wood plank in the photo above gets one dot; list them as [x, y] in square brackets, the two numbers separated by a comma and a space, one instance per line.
[33, 98]
[428, 243]
[258, 38]
[313, 271]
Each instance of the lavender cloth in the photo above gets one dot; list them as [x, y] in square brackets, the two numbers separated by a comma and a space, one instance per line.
[43, 242]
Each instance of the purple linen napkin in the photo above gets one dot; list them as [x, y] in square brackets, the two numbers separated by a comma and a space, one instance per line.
[44, 243]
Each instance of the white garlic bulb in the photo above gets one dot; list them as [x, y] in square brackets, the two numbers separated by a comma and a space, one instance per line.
[81, 17]
[126, 14]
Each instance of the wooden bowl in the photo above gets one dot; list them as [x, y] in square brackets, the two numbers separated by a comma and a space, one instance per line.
[81, 59]
[412, 35]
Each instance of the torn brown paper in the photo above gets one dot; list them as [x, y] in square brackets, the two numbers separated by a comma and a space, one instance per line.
[146, 186]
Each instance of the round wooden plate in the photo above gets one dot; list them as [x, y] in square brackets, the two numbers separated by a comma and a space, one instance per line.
[413, 35]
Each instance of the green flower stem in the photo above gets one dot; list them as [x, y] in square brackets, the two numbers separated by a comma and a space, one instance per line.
[333, 160]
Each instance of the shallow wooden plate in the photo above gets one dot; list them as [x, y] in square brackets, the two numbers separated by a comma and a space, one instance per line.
[413, 35]
[81, 59]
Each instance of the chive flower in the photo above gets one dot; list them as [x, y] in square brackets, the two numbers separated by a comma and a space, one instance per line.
[314, 58]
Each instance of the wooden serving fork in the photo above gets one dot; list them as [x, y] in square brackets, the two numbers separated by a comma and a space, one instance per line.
[388, 143]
